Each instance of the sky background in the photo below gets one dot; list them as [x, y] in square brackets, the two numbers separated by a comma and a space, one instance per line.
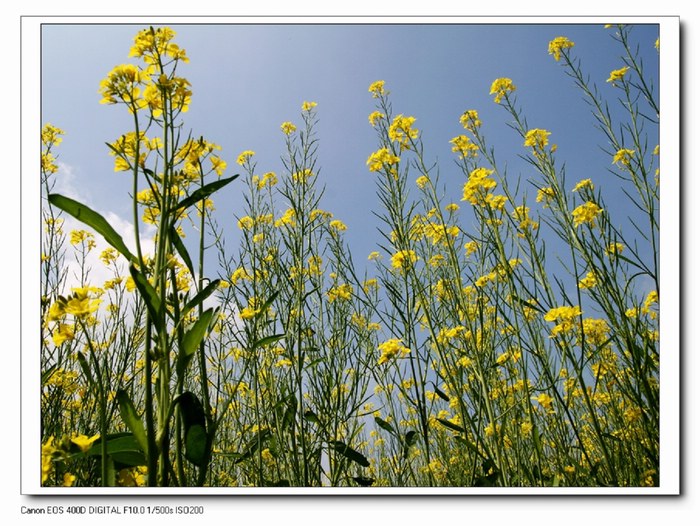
[248, 79]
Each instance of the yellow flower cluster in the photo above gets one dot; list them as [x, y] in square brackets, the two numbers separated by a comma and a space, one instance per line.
[402, 131]
[464, 146]
[478, 185]
[500, 88]
[557, 45]
[381, 158]
[377, 89]
[564, 317]
[390, 348]
[617, 74]
[537, 139]
[403, 259]
[586, 213]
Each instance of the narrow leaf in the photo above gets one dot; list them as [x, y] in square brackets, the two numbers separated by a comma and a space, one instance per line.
[267, 340]
[94, 220]
[131, 418]
[200, 297]
[181, 249]
[450, 425]
[349, 452]
[203, 192]
[148, 293]
[85, 368]
[385, 425]
[194, 335]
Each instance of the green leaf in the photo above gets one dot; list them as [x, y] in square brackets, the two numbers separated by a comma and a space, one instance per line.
[132, 419]
[290, 411]
[193, 337]
[440, 393]
[408, 441]
[311, 417]
[363, 481]
[267, 340]
[196, 445]
[85, 368]
[200, 297]
[47, 374]
[385, 425]
[349, 452]
[450, 425]
[181, 249]
[122, 448]
[194, 421]
[148, 293]
[202, 193]
[195, 334]
[94, 220]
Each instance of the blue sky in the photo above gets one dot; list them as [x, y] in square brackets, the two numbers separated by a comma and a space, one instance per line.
[248, 79]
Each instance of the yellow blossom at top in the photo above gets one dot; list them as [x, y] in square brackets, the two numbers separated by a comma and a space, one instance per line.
[244, 157]
[377, 88]
[556, 46]
[288, 128]
[341, 292]
[500, 88]
[308, 106]
[582, 184]
[337, 225]
[617, 74]
[50, 135]
[537, 138]
[470, 120]
[477, 185]
[586, 213]
[156, 44]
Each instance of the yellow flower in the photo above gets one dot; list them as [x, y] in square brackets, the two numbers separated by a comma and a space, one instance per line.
[617, 74]
[584, 183]
[341, 292]
[377, 88]
[556, 46]
[565, 318]
[374, 117]
[288, 128]
[589, 281]
[623, 156]
[402, 131]
[50, 135]
[501, 87]
[373, 255]
[244, 157]
[544, 400]
[586, 213]
[218, 165]
[537, 138]
[337, 225]
[62, 334]
[83, 442]
[381, 158]
[390, 348]
[308, 106]
[246, 223]
[403, 259]
[464, 146]
[470, 120]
